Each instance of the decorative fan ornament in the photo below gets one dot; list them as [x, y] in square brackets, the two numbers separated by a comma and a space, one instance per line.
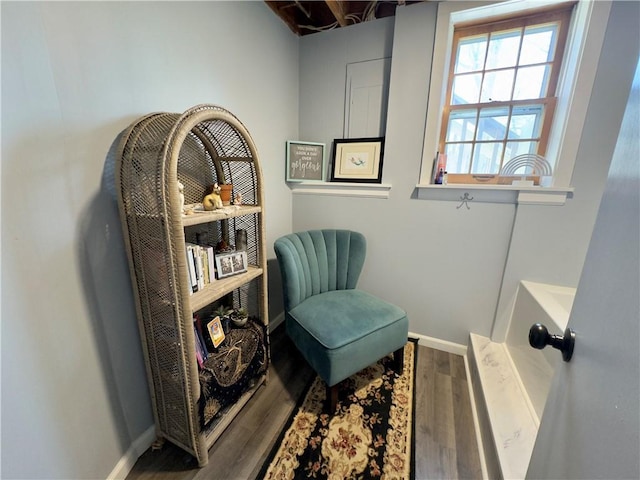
[526, 165]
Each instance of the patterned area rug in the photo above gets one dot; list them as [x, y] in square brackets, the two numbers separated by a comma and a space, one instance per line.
[369, 436]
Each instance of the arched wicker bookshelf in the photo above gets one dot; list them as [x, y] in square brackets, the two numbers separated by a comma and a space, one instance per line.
[205, 145]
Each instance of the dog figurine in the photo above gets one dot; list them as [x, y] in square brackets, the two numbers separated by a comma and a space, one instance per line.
[212, 201]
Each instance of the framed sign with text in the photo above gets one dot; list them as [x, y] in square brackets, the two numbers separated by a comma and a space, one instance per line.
[305, 161]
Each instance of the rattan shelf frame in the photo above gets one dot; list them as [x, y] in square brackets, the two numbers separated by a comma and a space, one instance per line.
[204, 145]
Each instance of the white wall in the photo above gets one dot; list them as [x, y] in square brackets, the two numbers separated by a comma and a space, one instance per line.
[74, 75]
[451, 268]
[442, 264]
[549, 243]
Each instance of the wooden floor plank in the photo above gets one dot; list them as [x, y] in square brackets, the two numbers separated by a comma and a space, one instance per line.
[425, 413]
[442, 362]
[445, 442]
[468, 465]
[458, 368]
[444, 433]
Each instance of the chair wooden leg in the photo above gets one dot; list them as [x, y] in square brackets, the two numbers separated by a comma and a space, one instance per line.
[398, 360]
[332, 396]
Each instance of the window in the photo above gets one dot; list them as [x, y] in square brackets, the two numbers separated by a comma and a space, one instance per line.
[586, 33]
[501, 91]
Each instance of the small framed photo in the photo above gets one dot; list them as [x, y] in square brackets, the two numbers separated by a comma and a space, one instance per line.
[357, 160]
[214, 327]
[231, 263]
[305, 161]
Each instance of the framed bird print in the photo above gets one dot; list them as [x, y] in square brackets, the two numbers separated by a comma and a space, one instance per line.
[357, 160]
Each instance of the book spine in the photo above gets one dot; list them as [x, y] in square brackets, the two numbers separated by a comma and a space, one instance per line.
[205, 265]
[200, 334]
[199, 356]
[199, 268]
[192, 271]
[212, 263]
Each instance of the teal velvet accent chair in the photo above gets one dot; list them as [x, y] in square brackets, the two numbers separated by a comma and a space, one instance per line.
[338, 329]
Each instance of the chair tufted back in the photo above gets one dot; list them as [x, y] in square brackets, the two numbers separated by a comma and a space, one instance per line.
[318, 261]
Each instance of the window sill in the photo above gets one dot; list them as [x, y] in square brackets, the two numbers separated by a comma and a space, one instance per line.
[496, 194]
[342, 189]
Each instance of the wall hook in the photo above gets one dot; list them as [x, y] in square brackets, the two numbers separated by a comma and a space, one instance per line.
[465, 201]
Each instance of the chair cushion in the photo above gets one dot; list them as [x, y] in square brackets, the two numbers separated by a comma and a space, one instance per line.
[343, 331]
[340, 317]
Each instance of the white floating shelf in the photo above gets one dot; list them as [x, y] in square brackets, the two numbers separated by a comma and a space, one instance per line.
[344, 189]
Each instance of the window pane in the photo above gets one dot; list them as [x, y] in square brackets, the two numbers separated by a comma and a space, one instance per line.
[503, 49]
[462, 125]
[471, 53]
[486, 158]
[492, 124]
[497, 86]
[538, 44]
[514, 149]
[466, 89]
[458, 157]
[531, 82]
[526, 122]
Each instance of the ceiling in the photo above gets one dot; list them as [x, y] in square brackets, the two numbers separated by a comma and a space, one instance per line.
[307, 17]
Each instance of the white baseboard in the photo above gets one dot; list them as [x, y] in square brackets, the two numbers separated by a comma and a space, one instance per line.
[129, 459]
[444, 345]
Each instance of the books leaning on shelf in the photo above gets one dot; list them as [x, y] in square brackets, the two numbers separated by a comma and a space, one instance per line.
[201, 347]
[201, 265]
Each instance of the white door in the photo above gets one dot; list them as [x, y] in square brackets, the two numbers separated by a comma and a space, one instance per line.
[590, 426]
[367, 88]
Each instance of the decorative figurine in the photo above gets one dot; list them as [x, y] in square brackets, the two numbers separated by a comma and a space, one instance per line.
[212, 201]
[238, 199]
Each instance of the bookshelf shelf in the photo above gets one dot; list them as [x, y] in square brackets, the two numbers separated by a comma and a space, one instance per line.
[167, 161]
[199, 218]
[222, 287]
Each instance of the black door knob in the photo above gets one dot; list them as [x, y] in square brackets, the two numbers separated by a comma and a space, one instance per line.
[539, 337]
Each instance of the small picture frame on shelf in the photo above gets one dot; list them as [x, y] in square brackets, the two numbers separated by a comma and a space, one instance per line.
[305, 161]
[216, 332]
[231, 263]
[357, 160]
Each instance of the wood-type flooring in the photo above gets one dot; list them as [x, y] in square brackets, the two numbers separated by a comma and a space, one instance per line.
[446, 446]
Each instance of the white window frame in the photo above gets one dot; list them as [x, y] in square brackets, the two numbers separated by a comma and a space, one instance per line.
[577, 75]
